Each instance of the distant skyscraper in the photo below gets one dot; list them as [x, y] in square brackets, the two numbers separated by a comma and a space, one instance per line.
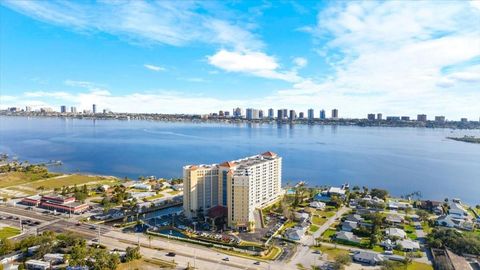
[63, 109]
[227, 113]
[94, 108]
[237, 112]
[271, 113]
[422, 117]
[440, 119]
[323, 115]
[285, 113]
[301, 115]
[293, 115]
[249, 113]
[335, 114]
[405, 118]
[28, 109]
[73, 109]
[311, 114]
[371, 116]
[221, 113]
[464, 120]
[279, 114]
[260, 114]
[379, 116]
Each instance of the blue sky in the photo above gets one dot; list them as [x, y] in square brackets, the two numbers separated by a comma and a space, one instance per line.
[398, 58]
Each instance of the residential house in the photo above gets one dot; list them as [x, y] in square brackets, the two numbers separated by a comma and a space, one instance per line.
[368, 257]
[317, 205]
[355, 218]
[347, 236]
[296, 233]
[54, 258]
[433, 206]
[408, 245]
[395, 205]
[349, 226]
[396, 232]
[456, 209]
[452, 221]
[394, 219]
[37, 265]
[142, 186]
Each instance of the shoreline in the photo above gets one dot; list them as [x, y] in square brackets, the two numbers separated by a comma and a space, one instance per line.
[196, 119]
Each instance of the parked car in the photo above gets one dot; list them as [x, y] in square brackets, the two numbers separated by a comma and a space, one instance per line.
[171, 254]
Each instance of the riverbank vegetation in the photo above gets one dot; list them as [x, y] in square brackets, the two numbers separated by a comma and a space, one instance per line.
[468, 139]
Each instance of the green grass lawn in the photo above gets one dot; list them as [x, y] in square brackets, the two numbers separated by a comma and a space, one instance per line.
[318, 220]
[331, 252]
[18, 178]
[313, 228]
[70, 180]
[174, 192]
[410, 230]
[426, 227]
[154, 197]
[7, 232]
[377, 248]
[419, 266]
[327, 235]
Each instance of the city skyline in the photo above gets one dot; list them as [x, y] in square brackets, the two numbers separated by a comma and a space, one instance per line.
[201, 57]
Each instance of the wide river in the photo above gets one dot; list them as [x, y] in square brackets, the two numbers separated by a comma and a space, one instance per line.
[402, 160]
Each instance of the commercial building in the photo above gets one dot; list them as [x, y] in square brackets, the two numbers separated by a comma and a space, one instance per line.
[63, 109]
[271, 113]
[237, 112]
[311, 114]
[260, 114]
[379, 116]
[285, 113]
[94, 108]
[323, 114]
[371, 117]
[242, 186]
[422, 117]
[405, 118]
[279, 114]
[334, 114]
[73, 109]
[440, 119]
[293, 115]
[301, 115]
[252, 114]
[57, 203]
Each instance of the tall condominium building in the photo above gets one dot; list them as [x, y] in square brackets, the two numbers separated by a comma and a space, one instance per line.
[301, 115]
[405, 118]
[285, 113]
[28, 109]
[73, 109]
[334, 114]
[440, 119]
[371, 117]
[279, 114]
[271, 114]
[260, 114]
[94, 108]
[311, 114]
[323, 115]
[241, 186]
[237, 112]
[252, 114]
[63, 109]
[293, 115]
[379, 116]
[422, 117]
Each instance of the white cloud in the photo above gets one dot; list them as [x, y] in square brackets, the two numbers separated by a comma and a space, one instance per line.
[176, 23]
[154, 67]
[300, 62]
[254, 63]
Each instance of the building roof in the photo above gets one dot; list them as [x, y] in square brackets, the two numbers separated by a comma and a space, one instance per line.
[347, 236]
[269, 154]
[408, 244]
[394, 218]
[368, 256]
[458, 262]
[349, 225]
[316, 204]
[228, 164]
[396, 232]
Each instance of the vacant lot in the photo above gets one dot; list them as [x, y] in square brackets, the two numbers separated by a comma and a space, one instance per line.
[70, 180]
[18, 178]
[7, 232]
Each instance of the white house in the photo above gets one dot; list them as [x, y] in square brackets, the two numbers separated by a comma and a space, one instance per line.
[456, 209]
[317, 205]
[37, 265]
[142, 186]
[408, 245]
[368, 257]
[347, 236]
[395, 232]
[54, 258]
[295, 233]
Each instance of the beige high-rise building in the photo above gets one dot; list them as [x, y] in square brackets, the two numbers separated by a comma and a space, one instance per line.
[242, 186]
